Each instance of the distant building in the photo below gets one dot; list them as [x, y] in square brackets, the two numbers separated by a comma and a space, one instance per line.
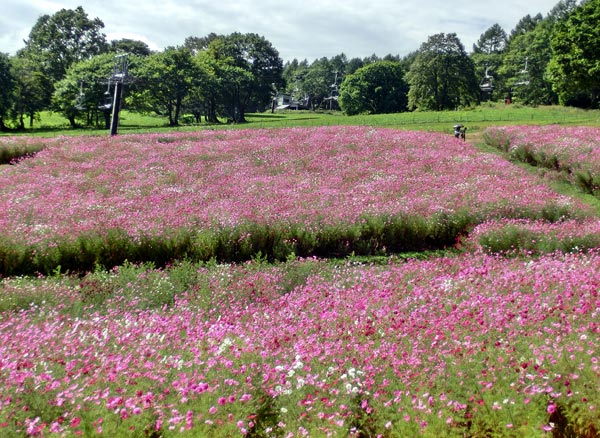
[287, 101]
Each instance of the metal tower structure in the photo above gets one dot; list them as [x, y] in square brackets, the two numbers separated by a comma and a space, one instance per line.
[119, 78]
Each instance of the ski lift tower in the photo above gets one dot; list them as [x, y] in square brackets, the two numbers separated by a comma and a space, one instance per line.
[80, 99]
[487, 83]
[335, 91]
[119, 78]
[523, 76]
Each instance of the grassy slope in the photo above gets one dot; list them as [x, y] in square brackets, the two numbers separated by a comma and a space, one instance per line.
[475, 120]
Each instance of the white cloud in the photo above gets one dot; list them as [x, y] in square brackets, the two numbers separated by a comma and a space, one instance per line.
[297, 28]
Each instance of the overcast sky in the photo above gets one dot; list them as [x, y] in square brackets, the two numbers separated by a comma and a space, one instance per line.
[298, 29]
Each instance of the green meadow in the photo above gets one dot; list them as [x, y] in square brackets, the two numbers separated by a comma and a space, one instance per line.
[476, 119]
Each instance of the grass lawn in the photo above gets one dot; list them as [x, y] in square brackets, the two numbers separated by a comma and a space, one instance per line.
[475, 119]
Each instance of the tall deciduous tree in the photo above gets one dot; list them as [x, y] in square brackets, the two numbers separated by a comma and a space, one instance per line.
[575, 64]
[31, 91]
[81, 94]
[166, 79]
[442, 75]
[57, 41]
[206, 97]
[7, 84]
[198, 44]
[132, 47]
[255, 55]
[374, 89]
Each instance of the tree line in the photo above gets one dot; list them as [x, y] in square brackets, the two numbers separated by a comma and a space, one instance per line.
[66, 66]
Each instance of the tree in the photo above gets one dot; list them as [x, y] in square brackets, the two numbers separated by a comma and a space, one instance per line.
[132, 47]
[198, 44]
[60, 40]
[353, 65]
[31, 91]
[527, 56]
[561, 10]
[338, 64]
[442, 75]
[575, 64]
[84, 91]
[294, 73]
[525, 24]
[255, 55]
[219, 83]
[492, 41]
[317, 82]
[374, 89]
[7, 84]
[204, 96]
[166, 79]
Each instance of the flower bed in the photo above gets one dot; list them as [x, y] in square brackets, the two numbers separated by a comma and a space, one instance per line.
[473, 345]
[517, 237]
[231, 194]
[573, 151]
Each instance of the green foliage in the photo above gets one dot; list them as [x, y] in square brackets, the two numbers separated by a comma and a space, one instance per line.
[253, 66]
[524, 65]
[365, 421]
[133, 47]
[317, 81]
[58, 41]
[83, 91]
[265, 418]
[374, 89]
[372, 235]
[32, 91]
[7, 84]
[575, 62]
[442, 75]
[168, 77]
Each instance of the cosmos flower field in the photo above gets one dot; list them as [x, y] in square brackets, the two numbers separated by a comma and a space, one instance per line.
[229, 194]
[492, 339]
[571, 152]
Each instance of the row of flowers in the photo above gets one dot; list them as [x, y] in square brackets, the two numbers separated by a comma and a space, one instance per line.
[471, 345]
[519, 236]
[574, 152]
[148, 183]
[310, 181]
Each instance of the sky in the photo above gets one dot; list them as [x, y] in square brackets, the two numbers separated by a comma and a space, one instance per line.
[301, 29]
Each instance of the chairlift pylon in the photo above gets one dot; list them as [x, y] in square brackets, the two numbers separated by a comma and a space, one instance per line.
[80, 99]
[487, 83]
[523, 75]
